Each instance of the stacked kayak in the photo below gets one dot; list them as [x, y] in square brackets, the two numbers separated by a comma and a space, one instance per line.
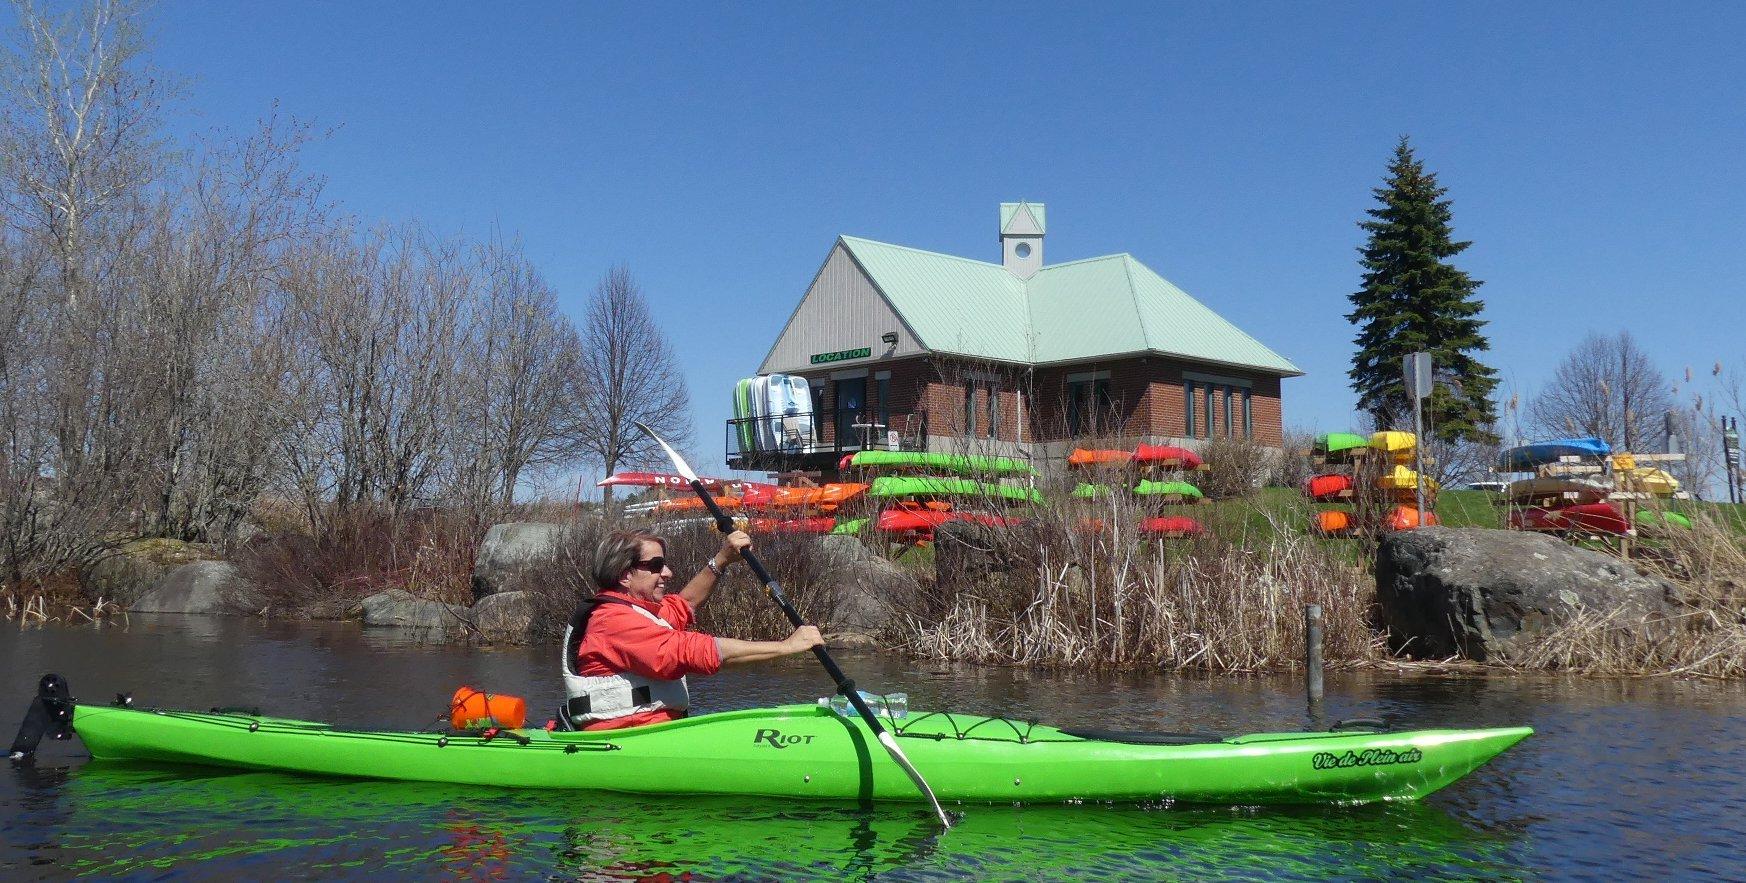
[1371, 476]
[773, 412]
[1526, 458]
[955, 464]
[1578, 518]
[1395, 444]
[1340, 447]
[1167, 457]
[810, 752]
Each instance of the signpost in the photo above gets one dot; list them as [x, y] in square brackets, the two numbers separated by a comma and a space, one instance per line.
[1415, 371]
[1731, 457]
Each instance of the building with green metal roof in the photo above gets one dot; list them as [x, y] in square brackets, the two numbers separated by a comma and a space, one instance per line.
[905, 348]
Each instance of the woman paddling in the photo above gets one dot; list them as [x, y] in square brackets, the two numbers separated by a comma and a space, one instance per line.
[627, 649]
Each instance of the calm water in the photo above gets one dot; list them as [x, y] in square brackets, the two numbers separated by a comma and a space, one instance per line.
[1632, 779]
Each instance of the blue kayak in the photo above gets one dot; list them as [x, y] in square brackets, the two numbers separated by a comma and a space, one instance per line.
[1524, 458]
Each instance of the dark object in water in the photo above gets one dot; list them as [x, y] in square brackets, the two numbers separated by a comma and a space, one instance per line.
[50, 714]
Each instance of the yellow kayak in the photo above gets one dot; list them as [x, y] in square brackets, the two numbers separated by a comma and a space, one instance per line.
[1649, 480]
[1402, 478]
[1398, 445]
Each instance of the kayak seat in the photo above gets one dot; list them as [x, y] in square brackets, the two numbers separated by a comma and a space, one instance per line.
[1139, 737]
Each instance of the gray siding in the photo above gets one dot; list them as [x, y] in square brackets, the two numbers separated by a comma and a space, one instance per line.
[841, 311]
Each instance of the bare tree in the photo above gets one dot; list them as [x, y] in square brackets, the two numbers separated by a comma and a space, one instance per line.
[1607, 388]
[522, 367]
[631, 377]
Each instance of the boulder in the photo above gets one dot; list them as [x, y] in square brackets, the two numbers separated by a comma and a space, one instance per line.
[509, 551]
[397, 608]
[199, 587]
[128, 573]
[870, 589]
[506, 617]
[1482, 593]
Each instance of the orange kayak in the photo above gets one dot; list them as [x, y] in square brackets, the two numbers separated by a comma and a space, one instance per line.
[1082, 458]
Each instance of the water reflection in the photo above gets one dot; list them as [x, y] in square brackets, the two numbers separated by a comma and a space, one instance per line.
[114, 818]
[1639, 778]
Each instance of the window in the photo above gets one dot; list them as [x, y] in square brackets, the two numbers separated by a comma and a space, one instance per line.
[1228, 424]
[1212, 418]
[993, 410]
[1089, 405]
[1248, 417]
[1023, 249]
[969, 407]
[882, 388]
[1188, 409]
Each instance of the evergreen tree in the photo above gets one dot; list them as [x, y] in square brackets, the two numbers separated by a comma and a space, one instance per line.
[1412, 300]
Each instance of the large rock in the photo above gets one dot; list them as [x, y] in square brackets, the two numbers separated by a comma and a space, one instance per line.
[200, 587]
[870, 589]
[509, 551]
[1484, 593]
[128, 573]
[397, 608]
[506, 617]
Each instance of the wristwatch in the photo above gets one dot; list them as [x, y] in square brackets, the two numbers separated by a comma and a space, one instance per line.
[713, 568]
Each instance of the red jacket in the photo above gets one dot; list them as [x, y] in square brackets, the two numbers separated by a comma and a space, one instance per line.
[621, 640]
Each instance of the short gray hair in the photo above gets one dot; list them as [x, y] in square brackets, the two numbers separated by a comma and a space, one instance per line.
[618, 552]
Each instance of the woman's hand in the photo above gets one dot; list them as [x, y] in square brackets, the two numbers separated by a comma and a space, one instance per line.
[804, 638]
[732, 547]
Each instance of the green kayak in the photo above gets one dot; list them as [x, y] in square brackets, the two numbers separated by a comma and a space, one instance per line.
[1337, 442]
[1149, 488]
[905, 486]
[961, 464]
[810, 752]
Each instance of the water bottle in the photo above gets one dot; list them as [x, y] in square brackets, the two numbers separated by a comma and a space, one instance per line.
[891, 705]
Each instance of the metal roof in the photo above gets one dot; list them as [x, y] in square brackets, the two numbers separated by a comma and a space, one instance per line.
[1077, 311]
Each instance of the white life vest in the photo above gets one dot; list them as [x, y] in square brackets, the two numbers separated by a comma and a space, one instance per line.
[590, 698]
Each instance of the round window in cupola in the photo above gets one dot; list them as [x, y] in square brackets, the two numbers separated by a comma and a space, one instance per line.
[1023, 249]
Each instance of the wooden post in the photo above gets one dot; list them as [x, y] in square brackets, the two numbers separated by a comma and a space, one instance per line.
[1312, 639]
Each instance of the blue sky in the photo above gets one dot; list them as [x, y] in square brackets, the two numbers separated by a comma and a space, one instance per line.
[1596, 153]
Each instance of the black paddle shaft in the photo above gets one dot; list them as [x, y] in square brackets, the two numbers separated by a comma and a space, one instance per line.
[772, 588]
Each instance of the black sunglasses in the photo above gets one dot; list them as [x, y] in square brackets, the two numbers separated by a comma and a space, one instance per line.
[653, 565]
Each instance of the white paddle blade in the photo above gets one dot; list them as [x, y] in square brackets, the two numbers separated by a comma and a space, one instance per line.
[890, 743]
[679, 463]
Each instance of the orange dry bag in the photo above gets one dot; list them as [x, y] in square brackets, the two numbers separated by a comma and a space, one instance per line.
[472, 709]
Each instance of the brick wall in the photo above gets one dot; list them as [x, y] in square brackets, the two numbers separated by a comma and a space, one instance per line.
[1146, 392]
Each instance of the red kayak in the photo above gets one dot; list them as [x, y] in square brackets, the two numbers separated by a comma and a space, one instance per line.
[916, 520]
[822, 524]
[1171, 526]
[658, 479]
[1168, 456]
[1327, 487]
[1601, 518]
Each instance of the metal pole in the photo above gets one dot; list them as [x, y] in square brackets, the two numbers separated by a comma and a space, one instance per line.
[1419, 454]
[1312, 640]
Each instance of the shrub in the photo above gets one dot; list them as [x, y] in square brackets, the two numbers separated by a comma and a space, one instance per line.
[1236, 467]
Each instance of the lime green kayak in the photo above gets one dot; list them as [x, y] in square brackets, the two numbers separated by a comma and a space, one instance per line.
[1149, 488]
[905, 486]
[852, 527]
[809, 751]
[1086, 490]
[961, 464]
[1337, 442]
